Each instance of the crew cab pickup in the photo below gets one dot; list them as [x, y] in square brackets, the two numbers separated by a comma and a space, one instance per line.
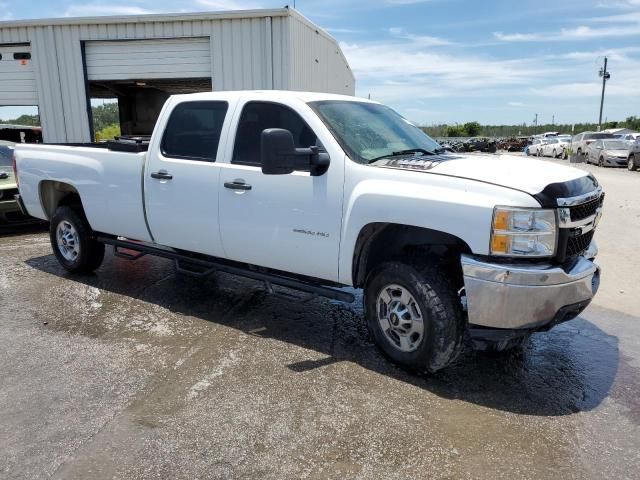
[318, 192]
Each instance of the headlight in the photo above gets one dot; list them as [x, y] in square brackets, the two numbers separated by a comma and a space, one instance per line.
[523, 232]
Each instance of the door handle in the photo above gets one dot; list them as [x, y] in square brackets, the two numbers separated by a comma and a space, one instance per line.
[237, 185]
[161, 175]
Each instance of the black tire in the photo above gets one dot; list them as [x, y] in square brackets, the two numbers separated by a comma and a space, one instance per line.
[439, 307]
[631, 163]
[601, 162]
[554, 154]
[88, 253]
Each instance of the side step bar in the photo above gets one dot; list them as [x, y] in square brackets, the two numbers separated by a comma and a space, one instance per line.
[212, 264]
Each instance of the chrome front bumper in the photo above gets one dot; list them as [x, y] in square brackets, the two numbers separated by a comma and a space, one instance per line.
[527, 296]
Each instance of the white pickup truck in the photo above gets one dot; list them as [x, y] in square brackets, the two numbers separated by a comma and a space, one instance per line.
[318, 192]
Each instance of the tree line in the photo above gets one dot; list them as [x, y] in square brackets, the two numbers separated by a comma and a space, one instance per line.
[475, 129]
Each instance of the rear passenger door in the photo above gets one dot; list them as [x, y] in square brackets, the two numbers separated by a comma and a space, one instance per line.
[181, 178]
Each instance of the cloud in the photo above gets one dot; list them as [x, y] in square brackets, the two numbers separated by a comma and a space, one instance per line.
[343, 30]
[418, 40]
[516, 104]
[568, 34]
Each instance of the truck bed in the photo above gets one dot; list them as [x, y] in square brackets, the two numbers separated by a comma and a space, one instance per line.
[108, 181]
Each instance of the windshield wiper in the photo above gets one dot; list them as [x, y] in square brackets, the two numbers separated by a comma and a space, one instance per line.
[401, 153]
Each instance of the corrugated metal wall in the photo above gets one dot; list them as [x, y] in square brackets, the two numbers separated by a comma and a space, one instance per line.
[317, 63]
[257, 51]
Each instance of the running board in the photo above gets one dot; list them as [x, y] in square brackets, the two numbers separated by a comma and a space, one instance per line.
[242, 271]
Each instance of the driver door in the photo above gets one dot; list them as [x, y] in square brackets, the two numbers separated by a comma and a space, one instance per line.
[286, 222]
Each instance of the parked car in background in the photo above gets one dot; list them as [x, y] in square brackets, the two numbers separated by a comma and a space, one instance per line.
[534, 148]
[631, 138]
[9, 210]
[480, 144]
[608, 152]
[554, 147]
[581, 141]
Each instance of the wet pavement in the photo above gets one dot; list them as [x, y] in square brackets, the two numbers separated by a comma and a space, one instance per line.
[135, 372]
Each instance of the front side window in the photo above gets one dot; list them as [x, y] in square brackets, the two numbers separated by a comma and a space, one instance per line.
[258, 116]
[367, 131]
[193, 131]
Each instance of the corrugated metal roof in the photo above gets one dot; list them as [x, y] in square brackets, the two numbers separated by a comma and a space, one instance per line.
[153, 17]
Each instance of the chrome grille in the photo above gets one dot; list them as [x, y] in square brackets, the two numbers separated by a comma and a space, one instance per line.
[585, 210]
[579, 243]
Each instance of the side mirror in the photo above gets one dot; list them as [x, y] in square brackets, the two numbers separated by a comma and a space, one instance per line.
[279, 155]
[277, 151]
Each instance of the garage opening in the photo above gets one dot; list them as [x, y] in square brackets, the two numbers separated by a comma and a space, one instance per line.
[20, 124]
[137, 103]
[142, 74]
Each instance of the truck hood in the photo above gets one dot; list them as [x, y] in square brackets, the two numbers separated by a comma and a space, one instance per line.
[511, 171]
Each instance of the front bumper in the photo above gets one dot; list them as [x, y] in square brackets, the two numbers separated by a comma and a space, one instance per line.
[528, 296]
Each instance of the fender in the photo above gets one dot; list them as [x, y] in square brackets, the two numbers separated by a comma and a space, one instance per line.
[458, 207]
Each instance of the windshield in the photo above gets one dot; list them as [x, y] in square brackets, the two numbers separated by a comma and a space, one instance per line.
[614, 144]
[367, 131]
[5, 156]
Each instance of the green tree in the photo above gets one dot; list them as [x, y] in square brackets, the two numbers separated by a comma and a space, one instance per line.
[455, 131]
[108, 132]
[472, 128]
[632, 122]
[30, 120]
[105, 115]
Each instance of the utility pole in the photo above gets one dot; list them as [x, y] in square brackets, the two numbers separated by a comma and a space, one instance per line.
[553, 119]
[535, 123]
[605, 76]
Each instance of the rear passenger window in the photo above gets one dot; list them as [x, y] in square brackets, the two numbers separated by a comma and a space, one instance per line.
[193, 131]
[258, 116]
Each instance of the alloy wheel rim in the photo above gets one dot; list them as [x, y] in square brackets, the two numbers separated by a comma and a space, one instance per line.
[400, 318]
[67, 239]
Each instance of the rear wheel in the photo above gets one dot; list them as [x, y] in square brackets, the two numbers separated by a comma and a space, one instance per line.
[72, 241]
[414, 315]
[601, 162]
[631, 164]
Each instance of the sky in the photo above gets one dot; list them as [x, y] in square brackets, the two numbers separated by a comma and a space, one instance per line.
[453, 61]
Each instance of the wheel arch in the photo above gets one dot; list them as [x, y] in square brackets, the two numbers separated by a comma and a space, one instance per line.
[54, 193]
[380, 242]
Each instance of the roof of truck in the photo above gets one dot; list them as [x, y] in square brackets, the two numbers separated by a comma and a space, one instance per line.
[271, 95]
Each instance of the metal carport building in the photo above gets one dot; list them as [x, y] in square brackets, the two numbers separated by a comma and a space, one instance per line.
[61, 64]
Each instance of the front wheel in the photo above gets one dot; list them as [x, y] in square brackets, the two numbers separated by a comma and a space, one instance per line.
[72, 241]
[414, 316]
[601, 162]
[631, 164]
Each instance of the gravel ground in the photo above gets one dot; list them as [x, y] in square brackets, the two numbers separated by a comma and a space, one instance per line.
[136, 373]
